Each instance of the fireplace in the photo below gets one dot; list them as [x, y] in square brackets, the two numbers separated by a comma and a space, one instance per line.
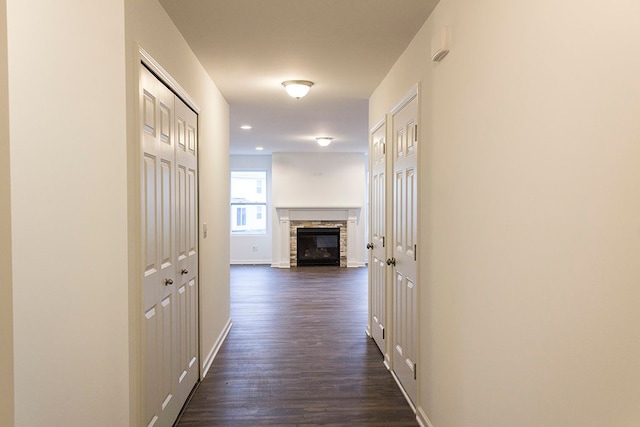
[290, 219]
[318, 246]
[292, 238]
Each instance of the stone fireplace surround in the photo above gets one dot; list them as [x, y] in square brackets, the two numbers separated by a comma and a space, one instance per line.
[290, 218]
[293, 238]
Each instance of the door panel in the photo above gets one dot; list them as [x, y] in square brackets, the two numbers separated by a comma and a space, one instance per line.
[404, 265]
[149, 215]
[166, 207]
[182, 212]
[192, 214]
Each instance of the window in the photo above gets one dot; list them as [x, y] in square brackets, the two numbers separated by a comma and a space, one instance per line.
[248, 202]
[241, 216]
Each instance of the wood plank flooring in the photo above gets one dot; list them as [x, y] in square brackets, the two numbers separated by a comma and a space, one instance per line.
[298, 355]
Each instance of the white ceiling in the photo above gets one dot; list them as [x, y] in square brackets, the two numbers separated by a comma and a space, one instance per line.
[346, 47]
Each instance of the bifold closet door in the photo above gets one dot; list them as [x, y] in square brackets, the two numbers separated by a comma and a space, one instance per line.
[377, 254]
[187, 247]
[404, 258]
[169, 244]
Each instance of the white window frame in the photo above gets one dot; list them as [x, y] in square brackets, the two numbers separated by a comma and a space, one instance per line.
[265, 205]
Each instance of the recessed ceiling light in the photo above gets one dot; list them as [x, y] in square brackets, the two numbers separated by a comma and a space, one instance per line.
[245, 127]
[259, 148]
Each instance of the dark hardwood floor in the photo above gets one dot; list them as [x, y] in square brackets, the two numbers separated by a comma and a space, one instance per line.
[298, 355]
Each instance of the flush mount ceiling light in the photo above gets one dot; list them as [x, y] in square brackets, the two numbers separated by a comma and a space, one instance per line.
[245, 127]
[297, 88]
[323, 141]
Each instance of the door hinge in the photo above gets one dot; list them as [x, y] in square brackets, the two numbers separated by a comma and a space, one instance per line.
[415, 133]
[382, 333]
[415, 371]
[383, 241]
[384, 148]
[415, 252]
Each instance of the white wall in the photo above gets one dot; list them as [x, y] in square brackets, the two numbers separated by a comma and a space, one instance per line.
[68, 212]
[148, 25]
[6, 298]
[242, 246]
[72, 262]
[321, 181]
[530, 213]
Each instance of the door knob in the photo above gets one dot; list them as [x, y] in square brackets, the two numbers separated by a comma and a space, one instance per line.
[391, 261]
[369, 245]
[168, 282]
[185, 271]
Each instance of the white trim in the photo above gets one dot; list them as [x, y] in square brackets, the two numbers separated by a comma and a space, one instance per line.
[282, 209]
[411, 94]
[422, 418]
[216, 347]
[250, 262]
[166, 78]
[404, 393]
[378, 124]
[368, 331]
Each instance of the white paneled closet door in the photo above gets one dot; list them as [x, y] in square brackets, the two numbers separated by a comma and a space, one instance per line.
[377, 233]
[404, 257]
[186, 127]
[169, 243]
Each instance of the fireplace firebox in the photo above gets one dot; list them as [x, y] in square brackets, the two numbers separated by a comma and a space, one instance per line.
[318, 246]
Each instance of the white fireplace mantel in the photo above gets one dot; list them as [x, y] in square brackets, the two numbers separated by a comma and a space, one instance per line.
[304, 213]
[286, 214]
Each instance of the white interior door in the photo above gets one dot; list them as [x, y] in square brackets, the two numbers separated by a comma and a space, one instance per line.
[159, 252]
[377, 254]
[169, 215]
[187, 247]
[404, 256]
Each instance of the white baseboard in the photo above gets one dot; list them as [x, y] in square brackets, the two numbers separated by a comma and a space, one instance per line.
[387, 362]
[368, 331]
[281, 265]
[356, 264]
[250, 262]
[288, 265]
[404, 393]
[422, 418]
[216, 347]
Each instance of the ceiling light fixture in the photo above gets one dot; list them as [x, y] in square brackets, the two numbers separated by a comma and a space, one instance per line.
[297, 88]
[245, 127]
[323, 141]
[259, 148]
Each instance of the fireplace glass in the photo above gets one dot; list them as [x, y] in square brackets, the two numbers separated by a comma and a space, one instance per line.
[318, 246]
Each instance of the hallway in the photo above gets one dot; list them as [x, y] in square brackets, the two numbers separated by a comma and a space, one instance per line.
[297, 355]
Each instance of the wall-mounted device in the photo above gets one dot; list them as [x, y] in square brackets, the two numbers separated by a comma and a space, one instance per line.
[440, 44]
